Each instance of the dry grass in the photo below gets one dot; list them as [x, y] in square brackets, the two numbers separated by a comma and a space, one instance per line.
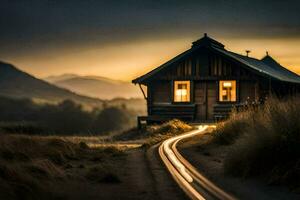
[154, 134]
[34, 167]
[30, 167]
[264, 142]
[169, 129]
[227, 132]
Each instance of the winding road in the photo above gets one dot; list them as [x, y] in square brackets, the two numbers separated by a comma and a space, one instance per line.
[195, 185]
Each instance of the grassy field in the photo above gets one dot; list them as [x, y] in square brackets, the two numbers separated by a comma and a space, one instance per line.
[264, 142]
[33, 167]
[58, 167]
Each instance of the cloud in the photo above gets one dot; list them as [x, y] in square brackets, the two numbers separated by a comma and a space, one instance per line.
[47, 29]
[33, 23]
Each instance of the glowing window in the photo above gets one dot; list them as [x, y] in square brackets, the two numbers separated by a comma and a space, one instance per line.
[182, 91]
[227, 91]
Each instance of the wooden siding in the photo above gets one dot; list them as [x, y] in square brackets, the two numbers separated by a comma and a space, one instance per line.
[202, 65]
[170, 111]
[183, 69]
[161, 92]
[247, 91]
[218, 66]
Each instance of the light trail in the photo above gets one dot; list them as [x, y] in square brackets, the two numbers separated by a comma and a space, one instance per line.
[195, 185]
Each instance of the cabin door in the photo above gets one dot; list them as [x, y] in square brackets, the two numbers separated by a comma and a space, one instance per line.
[205, 98]
[200, 100]
[211, 91]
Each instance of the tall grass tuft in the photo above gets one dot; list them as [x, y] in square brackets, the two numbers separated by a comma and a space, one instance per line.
[265, 142]
[156, 134]
[227, 132]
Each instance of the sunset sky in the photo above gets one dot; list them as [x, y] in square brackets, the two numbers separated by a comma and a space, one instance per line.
[124, 39]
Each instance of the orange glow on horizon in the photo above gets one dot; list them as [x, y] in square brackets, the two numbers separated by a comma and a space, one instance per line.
[129, 60]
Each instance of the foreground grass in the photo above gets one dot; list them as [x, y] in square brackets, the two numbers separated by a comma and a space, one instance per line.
[155, 133]
[32, 167]
[264, 142]
[50, 167]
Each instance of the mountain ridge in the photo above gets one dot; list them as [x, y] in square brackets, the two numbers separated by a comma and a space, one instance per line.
[19, 84]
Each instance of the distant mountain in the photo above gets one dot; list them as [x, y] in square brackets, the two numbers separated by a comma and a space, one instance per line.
[52, 79]
[18, 84]
[96, 86]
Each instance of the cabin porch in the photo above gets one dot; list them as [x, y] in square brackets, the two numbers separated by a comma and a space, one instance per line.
[186, 112]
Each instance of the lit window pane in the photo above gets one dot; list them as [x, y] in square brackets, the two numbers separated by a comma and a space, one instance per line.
[227, 84]
[227, 91]
[181, 91]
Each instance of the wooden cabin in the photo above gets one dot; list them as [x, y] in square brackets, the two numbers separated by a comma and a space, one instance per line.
[203, 83]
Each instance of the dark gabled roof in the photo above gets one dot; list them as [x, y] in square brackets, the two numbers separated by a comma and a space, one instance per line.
[204, 41]
[144, 77]
[274, 64]
[267, 66]
[207, 41]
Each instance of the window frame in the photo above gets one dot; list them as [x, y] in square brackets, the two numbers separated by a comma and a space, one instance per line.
[190, 92]
[236, 92]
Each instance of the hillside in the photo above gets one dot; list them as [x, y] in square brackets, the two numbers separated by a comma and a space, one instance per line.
[96, 86]
[18, 84]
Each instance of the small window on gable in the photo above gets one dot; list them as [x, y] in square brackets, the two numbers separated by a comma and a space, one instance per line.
[182, 91]
[227, 91]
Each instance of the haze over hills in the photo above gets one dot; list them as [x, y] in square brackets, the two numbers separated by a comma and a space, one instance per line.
[96, 86]
[53, 79]
[18, 84]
